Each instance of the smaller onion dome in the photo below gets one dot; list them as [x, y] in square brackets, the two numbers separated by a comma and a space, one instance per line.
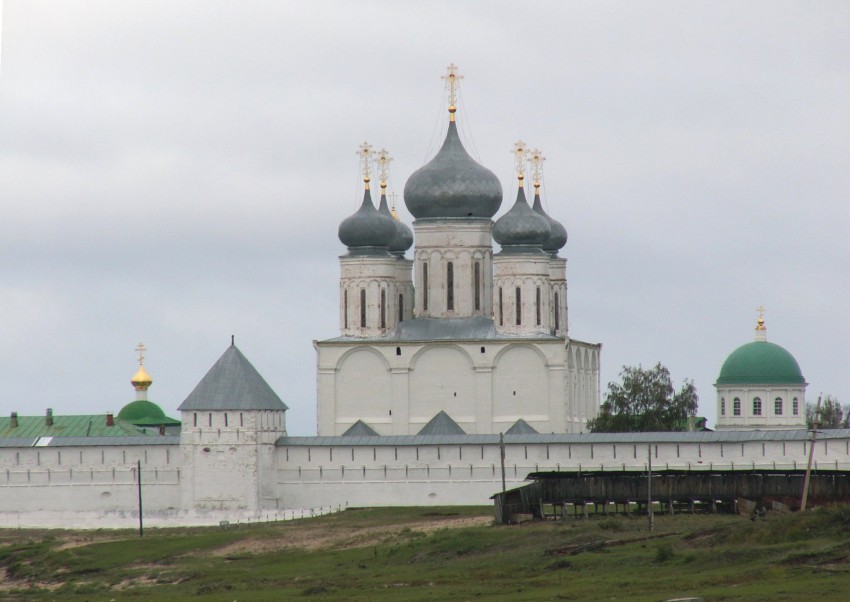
[366, 230]
[557, 233]
[521, 229]
[403, 239]
[141, 380]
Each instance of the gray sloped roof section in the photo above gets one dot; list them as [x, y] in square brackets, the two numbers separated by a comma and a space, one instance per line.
[442, 424]
[360, 429]
[475, 328]
[232, 384]
[521, 427]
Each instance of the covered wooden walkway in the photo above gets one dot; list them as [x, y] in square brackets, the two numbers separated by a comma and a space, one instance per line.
[572, 493]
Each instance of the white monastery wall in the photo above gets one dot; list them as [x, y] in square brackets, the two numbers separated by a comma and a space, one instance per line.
[387, 475]
[53, 487]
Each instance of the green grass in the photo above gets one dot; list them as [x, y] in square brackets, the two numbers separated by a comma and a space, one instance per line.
[408, 554]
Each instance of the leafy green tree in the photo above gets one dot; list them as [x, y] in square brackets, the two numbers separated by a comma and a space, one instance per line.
[645, 400]
[833, 415]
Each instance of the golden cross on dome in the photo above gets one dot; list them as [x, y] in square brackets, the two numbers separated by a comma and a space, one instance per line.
[365, 152]
[384, 161]
[760, 323]
[141, 349]
[519, 154]
[452, 79]
[536, 160]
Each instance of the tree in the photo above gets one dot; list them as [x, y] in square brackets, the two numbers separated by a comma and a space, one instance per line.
[645, 401]
[833, 415]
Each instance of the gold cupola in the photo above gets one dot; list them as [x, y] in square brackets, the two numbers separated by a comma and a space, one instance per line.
[141, 380]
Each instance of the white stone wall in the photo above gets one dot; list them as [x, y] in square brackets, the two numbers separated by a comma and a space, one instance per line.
[469, 474]
[767, 394]
[582, 383]
[95, 486]
[485, 386]
[89, 478]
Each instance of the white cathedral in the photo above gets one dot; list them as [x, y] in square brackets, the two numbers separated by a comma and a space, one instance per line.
[457, 335]
[453, 376]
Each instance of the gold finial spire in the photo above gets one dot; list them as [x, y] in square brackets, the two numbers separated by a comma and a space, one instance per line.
[384, 161]
[760, 322]
[141, 380]
[519, 151]
[365, 152]
[452, 78]
[393, 195]
[536, 160]
[761, 329]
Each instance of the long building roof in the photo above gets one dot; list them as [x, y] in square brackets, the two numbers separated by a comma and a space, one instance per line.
[566, 438]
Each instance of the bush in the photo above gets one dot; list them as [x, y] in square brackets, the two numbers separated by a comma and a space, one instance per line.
[664, 553]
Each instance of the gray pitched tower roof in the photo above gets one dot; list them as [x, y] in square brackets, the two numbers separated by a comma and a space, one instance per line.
[232, 384]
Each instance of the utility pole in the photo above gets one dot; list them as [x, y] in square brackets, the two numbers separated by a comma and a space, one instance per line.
[139, 482]
[502, 454]
[814, 427]
[649, 487]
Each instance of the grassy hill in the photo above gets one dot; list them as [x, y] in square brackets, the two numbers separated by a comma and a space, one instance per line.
[441, 554]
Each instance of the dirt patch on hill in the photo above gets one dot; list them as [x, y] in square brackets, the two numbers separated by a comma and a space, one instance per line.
[314, 537]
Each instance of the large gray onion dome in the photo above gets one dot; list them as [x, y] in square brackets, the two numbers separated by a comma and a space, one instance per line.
[521, 229]
[367, 230]
[557, 235]
[452, 184]
[403, 239]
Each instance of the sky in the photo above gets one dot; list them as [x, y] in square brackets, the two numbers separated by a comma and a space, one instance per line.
[174, 173]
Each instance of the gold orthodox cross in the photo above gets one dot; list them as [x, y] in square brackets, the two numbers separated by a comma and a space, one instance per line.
[141, 349]
[452, 78]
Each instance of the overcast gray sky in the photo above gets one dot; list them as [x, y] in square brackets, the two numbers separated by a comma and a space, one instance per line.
[174, 172]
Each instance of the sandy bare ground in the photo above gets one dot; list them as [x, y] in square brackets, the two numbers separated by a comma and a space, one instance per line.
[314, 537]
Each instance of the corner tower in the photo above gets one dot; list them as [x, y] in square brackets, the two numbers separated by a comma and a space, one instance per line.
[231, 421]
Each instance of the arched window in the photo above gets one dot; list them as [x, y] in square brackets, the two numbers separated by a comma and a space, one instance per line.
[518, 306]
[501, 312]
[557, 313]
[424, 286]
[450, 286]
[777, 406]
[736, 407]
[345, 308]
[401, 308]
[476, 285]
[362, 308]
[537, 303]
[383, 308]
[757, 406]
[722, 407]
[795, 407]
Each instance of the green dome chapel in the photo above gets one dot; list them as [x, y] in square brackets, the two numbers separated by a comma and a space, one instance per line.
[760, 386]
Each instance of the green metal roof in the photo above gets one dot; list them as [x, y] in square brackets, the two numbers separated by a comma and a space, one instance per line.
[69, 426]
[760, 363]
[144, 413]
